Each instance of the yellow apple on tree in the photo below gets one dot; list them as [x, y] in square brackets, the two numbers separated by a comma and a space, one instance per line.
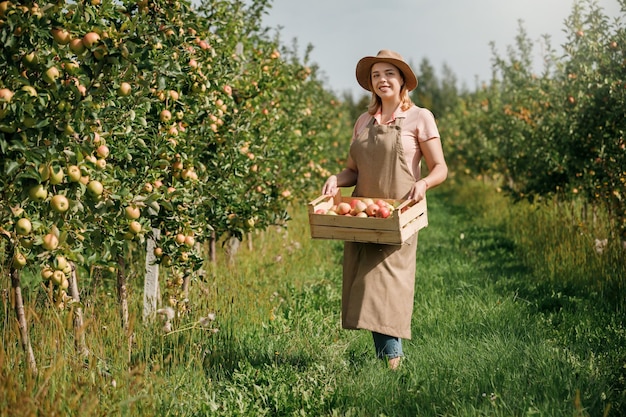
[134, 227]
[57, 277]
[102, 151]
[132, 212]
[51, 74]
[73, 173]
[91, 39]
[95, 187]
[50, 242]
[46, 273]
[19, 260]
[59, 203]
[165, 116]
[23, 227]
[77, 46]
[125, 89]
[61, 36]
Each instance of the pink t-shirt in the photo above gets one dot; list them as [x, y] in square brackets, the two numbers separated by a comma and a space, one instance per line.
[419, 126]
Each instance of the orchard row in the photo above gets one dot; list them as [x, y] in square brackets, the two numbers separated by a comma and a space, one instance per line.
[121, 118]
[561, 132]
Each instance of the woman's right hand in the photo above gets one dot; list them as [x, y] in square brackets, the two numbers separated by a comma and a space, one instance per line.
[330, 186]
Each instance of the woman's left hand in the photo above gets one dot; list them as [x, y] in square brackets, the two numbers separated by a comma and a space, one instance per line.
[418, 191]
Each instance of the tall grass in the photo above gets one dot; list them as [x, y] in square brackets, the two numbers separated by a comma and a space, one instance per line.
[496, 331]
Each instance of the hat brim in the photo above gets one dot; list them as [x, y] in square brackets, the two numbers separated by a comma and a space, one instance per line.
[364, 67]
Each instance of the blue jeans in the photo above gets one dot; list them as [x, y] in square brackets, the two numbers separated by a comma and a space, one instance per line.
[387, 346]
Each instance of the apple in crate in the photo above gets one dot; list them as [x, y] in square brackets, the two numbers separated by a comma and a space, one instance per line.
[343, 208]
[372, 209]
[383, 212]
[358, 207]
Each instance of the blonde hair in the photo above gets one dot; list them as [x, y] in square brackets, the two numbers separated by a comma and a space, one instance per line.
[375, 101]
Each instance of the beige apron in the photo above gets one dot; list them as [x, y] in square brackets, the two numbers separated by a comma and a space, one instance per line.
[378, 280]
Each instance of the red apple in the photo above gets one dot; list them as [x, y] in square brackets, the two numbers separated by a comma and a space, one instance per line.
[165, 116]
[6, 94]
[383, 212]
[372, 210]
[102, 151]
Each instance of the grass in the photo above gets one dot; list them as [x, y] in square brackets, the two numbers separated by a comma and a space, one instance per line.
[497, 331]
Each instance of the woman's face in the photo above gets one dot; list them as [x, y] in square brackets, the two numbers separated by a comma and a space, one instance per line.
[387, 80]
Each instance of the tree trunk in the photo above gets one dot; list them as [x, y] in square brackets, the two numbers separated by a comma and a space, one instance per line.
[151, 279]
[122, 292]
[249, 239]
[212, 252]
[21, 320]
[79, 327]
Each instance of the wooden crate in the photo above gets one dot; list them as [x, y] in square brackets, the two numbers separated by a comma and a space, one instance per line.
[404, 222]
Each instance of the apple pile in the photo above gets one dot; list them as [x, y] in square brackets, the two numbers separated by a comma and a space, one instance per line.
[366, 207]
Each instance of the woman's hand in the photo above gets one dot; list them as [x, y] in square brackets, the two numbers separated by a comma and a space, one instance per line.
[418, 191]
[330, 186]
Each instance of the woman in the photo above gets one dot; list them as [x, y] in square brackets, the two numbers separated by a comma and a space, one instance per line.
[388, 143]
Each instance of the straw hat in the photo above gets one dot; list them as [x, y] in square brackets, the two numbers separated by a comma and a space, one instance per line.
[364, 67]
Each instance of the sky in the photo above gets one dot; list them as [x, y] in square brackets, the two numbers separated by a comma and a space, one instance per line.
[455, 32]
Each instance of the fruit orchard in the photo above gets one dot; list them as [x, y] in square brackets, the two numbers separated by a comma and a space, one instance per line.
[558, 133]
[120, 119]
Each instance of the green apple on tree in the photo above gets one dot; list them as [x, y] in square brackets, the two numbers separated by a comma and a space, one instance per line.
[23, 227]
[19, 260]
[95, 187]
[73, 173]
[51, 74]
[38, 193]
[56, 175]
[59, 203]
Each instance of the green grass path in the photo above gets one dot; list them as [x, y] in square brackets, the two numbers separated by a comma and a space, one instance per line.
[489, 337]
